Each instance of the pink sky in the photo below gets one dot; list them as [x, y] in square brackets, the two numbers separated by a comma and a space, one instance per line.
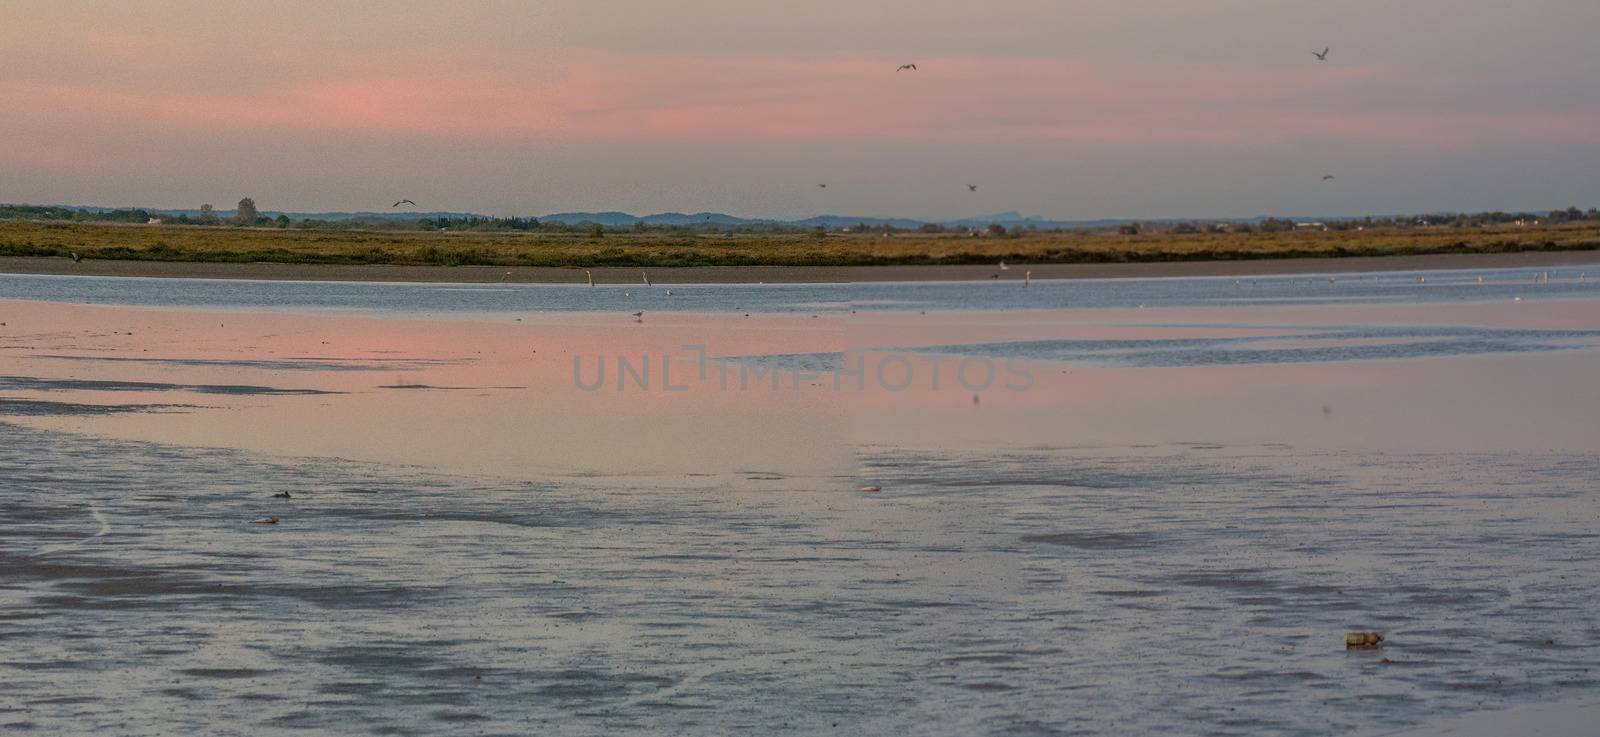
[1156, 110]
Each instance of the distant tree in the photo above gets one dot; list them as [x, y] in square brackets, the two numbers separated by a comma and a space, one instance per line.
[283, 221]
[247, 213]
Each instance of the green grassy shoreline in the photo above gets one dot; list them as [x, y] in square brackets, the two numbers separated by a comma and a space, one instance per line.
[249, 245]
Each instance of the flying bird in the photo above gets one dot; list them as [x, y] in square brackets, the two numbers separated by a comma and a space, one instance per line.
[1322, 55]
[904, 67]
[404, 202]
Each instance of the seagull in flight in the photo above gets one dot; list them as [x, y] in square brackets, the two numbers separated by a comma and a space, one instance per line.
[403, 202]
[904, 67]
[1321, 55]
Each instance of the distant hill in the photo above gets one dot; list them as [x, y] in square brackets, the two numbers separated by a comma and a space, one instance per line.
[615, 219]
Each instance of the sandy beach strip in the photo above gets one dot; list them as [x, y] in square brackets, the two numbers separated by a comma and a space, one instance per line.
[785, 274]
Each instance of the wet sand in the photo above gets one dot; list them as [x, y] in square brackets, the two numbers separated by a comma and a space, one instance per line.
[1167, 532]
[1567, 719]
[785, 274]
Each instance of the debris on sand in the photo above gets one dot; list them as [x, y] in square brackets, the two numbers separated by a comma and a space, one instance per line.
[1362, 640]
[282, 495]
[267, 521]
[872, 489]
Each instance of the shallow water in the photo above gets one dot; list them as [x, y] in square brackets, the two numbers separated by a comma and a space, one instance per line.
[1168, 531]
[1404, 287]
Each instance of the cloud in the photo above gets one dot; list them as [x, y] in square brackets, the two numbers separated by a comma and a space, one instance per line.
[198, 86]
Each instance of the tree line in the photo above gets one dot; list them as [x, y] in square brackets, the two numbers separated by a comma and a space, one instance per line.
[246, 214]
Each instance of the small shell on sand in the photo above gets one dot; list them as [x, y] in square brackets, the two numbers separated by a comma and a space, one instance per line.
[267, 521]
[1362, 640]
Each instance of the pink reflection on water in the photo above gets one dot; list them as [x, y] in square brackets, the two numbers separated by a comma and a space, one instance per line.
[497, 394]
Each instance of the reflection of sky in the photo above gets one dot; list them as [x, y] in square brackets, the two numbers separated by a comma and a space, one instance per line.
[505, 398]
[1431, 287]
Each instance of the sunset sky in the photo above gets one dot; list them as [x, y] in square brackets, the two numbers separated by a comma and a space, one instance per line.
[1143, 108]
